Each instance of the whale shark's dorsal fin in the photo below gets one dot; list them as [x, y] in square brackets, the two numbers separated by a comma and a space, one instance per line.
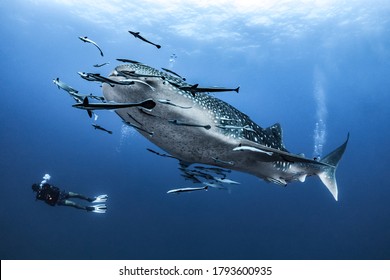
[276, 131]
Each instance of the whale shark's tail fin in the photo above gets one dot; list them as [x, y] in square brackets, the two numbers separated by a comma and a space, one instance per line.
[328, 173]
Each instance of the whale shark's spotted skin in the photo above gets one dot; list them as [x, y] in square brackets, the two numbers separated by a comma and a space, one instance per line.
[223, 113]
[199, 128]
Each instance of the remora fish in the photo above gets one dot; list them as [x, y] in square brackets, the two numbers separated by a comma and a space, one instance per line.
[213, 185]
[74, 93]
[101, 128]
[85, 39]
[132, 74]
[176, 122]
[262, 153]
[95, 77]
[227, 181]
[80, 97]
[136, 35]
[213, 169]
[222, 162]
[100, 65]
[168, 102]
[188, 190]
[195, 89]
[148, 104]
[246, 127]
[174, 73]
[125, 60]
[159, 154]
[61, 85]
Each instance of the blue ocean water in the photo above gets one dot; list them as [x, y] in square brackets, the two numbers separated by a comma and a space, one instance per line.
[320, 69]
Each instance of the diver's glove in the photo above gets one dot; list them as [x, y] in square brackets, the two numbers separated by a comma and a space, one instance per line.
[100, 198]
[100, 208]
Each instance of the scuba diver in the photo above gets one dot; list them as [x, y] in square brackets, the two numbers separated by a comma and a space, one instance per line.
[54, 196]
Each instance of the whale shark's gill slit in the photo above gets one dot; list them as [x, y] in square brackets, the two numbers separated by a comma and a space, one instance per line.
[139, 128]
[134, 119]
[319, 133]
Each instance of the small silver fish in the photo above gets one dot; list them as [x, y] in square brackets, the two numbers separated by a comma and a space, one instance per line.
[227, 181]
[85, 39]
[181, 190]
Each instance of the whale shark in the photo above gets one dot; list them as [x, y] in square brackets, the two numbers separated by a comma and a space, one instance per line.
[231, 141]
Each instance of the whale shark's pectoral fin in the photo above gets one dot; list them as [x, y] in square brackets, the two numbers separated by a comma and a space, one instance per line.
[184, 164]
[302, 178]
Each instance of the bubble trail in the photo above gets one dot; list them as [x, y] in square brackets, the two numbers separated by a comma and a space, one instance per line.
[319, 134]
[126, 133]
[172, 60]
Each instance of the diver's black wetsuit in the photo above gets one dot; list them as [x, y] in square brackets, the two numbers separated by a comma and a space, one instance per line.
[49, 194]
[54, 196]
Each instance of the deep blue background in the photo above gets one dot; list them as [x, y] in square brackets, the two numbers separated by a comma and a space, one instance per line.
[275, 65]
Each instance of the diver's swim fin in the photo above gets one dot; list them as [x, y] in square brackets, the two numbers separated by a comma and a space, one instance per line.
[100, 198]
[100, 208]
